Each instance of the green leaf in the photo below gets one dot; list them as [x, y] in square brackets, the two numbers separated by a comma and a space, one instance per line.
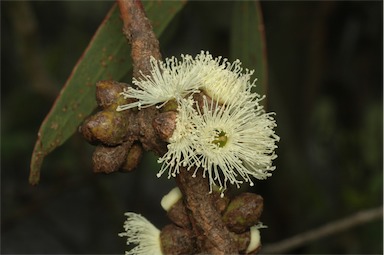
[106, 57]
[248, 41]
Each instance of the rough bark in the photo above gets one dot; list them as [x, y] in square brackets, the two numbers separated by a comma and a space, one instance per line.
[212, 235]
[139, 32]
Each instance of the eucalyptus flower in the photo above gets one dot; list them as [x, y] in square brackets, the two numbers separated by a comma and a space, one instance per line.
[174, 79]
[181, 150]
[223, 80]
[142, 233]
[227, 136]
[235, 142]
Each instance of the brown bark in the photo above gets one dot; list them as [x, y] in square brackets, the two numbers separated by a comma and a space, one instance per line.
[212, 235]
[139, 32]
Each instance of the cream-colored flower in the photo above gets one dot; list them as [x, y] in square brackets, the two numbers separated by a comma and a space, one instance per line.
[181, 147]
[140, 232]
[175, 79]
[235, 142]
[228, 139]
[221, 79]
[226, 142]
[255, 239]
[172, 79]
[171, 198]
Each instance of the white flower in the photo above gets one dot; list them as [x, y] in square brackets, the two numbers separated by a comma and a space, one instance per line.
[255, 238]
[175, 79]
[222, 80]
[228, 136]
[141, 232]
[235, 142]
[172, 79]
[229, 142]
[181, 147]
[171, 198]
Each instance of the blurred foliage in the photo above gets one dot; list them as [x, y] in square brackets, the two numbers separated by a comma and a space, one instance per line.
[325, 84]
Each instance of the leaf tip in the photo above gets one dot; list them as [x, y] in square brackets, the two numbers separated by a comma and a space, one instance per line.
[36, 162]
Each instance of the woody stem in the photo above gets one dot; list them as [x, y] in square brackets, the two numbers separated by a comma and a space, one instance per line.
[212, 235]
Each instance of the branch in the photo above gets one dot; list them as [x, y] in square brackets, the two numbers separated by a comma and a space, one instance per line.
[212, 235]
[326, 230]
[138, 31]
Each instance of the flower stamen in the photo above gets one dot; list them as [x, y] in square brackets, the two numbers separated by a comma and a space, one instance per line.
[220, 138]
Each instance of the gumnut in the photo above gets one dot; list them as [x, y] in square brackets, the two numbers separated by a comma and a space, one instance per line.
[108, 94]
[243, 212]
[109, 159]
[107, 127]
[133, 158]
[242, 240]
[176, 240]
[221, 201]
[165, 124]
[178, 215]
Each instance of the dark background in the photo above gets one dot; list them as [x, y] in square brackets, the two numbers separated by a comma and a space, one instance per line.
[325, 63]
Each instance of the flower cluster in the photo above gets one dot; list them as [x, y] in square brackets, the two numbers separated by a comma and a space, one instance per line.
[227, 135]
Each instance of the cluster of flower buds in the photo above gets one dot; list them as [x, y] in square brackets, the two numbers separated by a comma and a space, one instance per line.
[107, 129]
[119, 136]
[240, 214]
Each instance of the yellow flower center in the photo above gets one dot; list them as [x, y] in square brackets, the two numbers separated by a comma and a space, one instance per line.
[220, 138]
[171, 105]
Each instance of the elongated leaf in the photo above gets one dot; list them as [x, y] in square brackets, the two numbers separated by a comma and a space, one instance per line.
[248, 40]
[106, 57]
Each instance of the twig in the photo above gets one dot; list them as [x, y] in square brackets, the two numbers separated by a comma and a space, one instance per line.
[139, 32]
[212, 235]
[326, 230]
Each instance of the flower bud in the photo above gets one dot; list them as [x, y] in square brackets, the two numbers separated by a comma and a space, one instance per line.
[178, 215]
[108, 94]
[149, 138]
[248, 242]
[107, 127]
[243, 212]
[174, 205]
[171, 105]
[109, 159]
[221, 202]
[164, 124]
[242, 240]
[199, 98]
[255, 241]
[171, 198]
[133, 158]
[176, 240]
